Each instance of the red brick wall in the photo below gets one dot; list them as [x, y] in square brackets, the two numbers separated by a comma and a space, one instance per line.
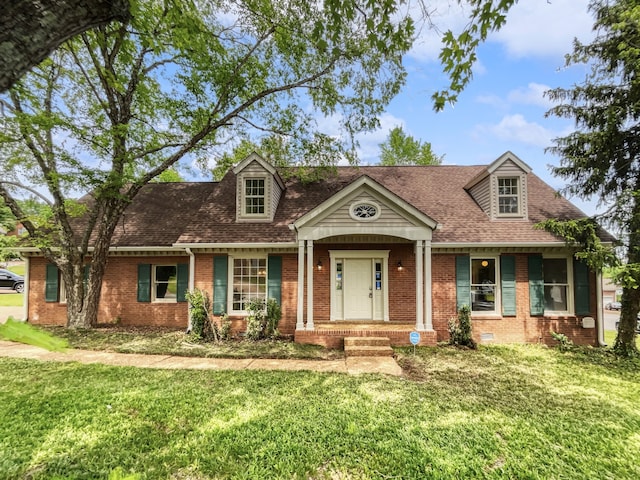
[517, 329]
[118, 299]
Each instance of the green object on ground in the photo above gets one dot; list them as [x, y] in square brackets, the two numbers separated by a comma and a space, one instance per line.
[23, 332]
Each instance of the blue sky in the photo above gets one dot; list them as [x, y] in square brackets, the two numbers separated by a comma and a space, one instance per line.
[503, 107]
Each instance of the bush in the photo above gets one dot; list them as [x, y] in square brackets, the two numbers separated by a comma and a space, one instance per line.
[263, 319]
[564, 343]
[202, 327]
[460, 329]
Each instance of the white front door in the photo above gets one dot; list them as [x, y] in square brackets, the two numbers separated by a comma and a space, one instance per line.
[358, 289]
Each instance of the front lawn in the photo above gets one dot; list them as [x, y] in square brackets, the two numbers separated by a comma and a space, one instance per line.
[500, 412]
[11, 299]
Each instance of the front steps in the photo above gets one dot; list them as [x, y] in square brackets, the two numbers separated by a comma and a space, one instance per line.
[367, 347]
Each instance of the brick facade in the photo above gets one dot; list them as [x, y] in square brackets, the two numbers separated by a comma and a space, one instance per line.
[118, 302]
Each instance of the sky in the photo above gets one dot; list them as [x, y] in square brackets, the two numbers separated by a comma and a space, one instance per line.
[503, 108]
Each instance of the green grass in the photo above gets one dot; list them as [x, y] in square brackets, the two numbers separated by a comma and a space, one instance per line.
[610, 338]
[11, 299]
[19, 269]
[500, 412]
[173, 342]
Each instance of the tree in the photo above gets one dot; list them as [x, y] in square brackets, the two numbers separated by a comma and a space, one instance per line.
[402, 149]
[31, 29]
[601, 158]
[114, 107]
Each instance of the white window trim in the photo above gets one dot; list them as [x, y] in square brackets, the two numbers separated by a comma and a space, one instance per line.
[230, 271]
[154, 299]
[497, 311]
[570, 287]
[520, 211]
[242, 214]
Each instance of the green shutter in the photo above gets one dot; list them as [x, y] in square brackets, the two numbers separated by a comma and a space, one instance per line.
[581, 287]
[51, 283]
[182, 282]
[463, 282]
[274, 278]
[85, 277]
[508, 281]
[220, 269]
[536, 285]
[144, 282]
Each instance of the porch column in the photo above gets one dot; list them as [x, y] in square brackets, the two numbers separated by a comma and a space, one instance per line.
[419, 286]
[310, 285]
[428, 310]
[300, 301]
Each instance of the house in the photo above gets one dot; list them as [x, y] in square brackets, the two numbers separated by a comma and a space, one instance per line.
[373, 251]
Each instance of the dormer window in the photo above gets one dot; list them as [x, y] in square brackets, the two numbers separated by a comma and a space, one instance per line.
[254, 196]
[508, 196]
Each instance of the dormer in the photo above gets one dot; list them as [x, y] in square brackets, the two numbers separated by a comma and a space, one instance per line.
[501, 189]
[258, 190]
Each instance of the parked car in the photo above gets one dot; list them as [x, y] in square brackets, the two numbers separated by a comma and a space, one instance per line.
[11, 280]
[614, 306]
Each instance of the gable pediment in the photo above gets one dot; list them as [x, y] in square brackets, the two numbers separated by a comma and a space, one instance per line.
[365, 208]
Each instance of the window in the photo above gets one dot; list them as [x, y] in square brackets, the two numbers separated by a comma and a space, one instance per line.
[556, 284]
[508, 196]
[254, 196]
[483, 284]
[249, 281]
[165, 283]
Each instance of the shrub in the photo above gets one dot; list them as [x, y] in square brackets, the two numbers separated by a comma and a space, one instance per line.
[460, 329]
[225, 327]
[202, 328]
[564, 343]
[263, 319]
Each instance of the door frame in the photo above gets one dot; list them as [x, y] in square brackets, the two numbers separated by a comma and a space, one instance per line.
[337, 299]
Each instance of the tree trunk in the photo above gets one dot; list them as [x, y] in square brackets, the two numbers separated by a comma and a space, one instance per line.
[31, 29]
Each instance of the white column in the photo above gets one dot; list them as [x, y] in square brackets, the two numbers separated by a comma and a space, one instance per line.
[310, 285]
[300, 310]
[428, 310]
[25, 293]
[419, 286]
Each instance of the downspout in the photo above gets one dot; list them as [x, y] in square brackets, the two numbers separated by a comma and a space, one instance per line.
[599, 310]
[192, 279]
[25, 293]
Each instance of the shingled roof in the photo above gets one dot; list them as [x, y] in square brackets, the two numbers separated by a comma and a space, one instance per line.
[165, 214]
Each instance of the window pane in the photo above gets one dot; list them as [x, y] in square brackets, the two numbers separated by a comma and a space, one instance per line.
[483, 284]
[483, 271]
[555, 270]
[254, 196]
[249, 281]
[555, 298]
[165, 281]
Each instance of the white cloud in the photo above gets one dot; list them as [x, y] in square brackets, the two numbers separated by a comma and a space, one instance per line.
[532, 94]
[541, 28]
[545, 28]
[369, 151]
[515, 128]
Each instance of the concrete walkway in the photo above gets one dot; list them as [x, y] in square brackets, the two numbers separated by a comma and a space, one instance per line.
[350, 365]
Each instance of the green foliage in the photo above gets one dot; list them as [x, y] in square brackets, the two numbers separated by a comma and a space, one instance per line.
[458, 55]
[402, 149]
[202, 326]
[23, 332]
[564, 343]
[601, 158]
[263, 319]
[460, 329]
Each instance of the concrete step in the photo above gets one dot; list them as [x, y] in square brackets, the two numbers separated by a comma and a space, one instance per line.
[367, 341]
[367, 347]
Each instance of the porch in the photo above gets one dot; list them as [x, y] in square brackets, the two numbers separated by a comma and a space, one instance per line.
[332, 334]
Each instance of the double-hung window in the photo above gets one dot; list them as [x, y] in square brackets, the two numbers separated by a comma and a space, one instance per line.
[249, 281]
[254, 196]
[508, 196]
[484, 287]
[556, 284]
[165, 283]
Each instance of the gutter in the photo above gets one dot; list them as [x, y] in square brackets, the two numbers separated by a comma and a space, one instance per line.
[599, 310]
[192, 279]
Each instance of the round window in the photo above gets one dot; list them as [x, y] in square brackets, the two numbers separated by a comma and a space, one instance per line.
[365, 211]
